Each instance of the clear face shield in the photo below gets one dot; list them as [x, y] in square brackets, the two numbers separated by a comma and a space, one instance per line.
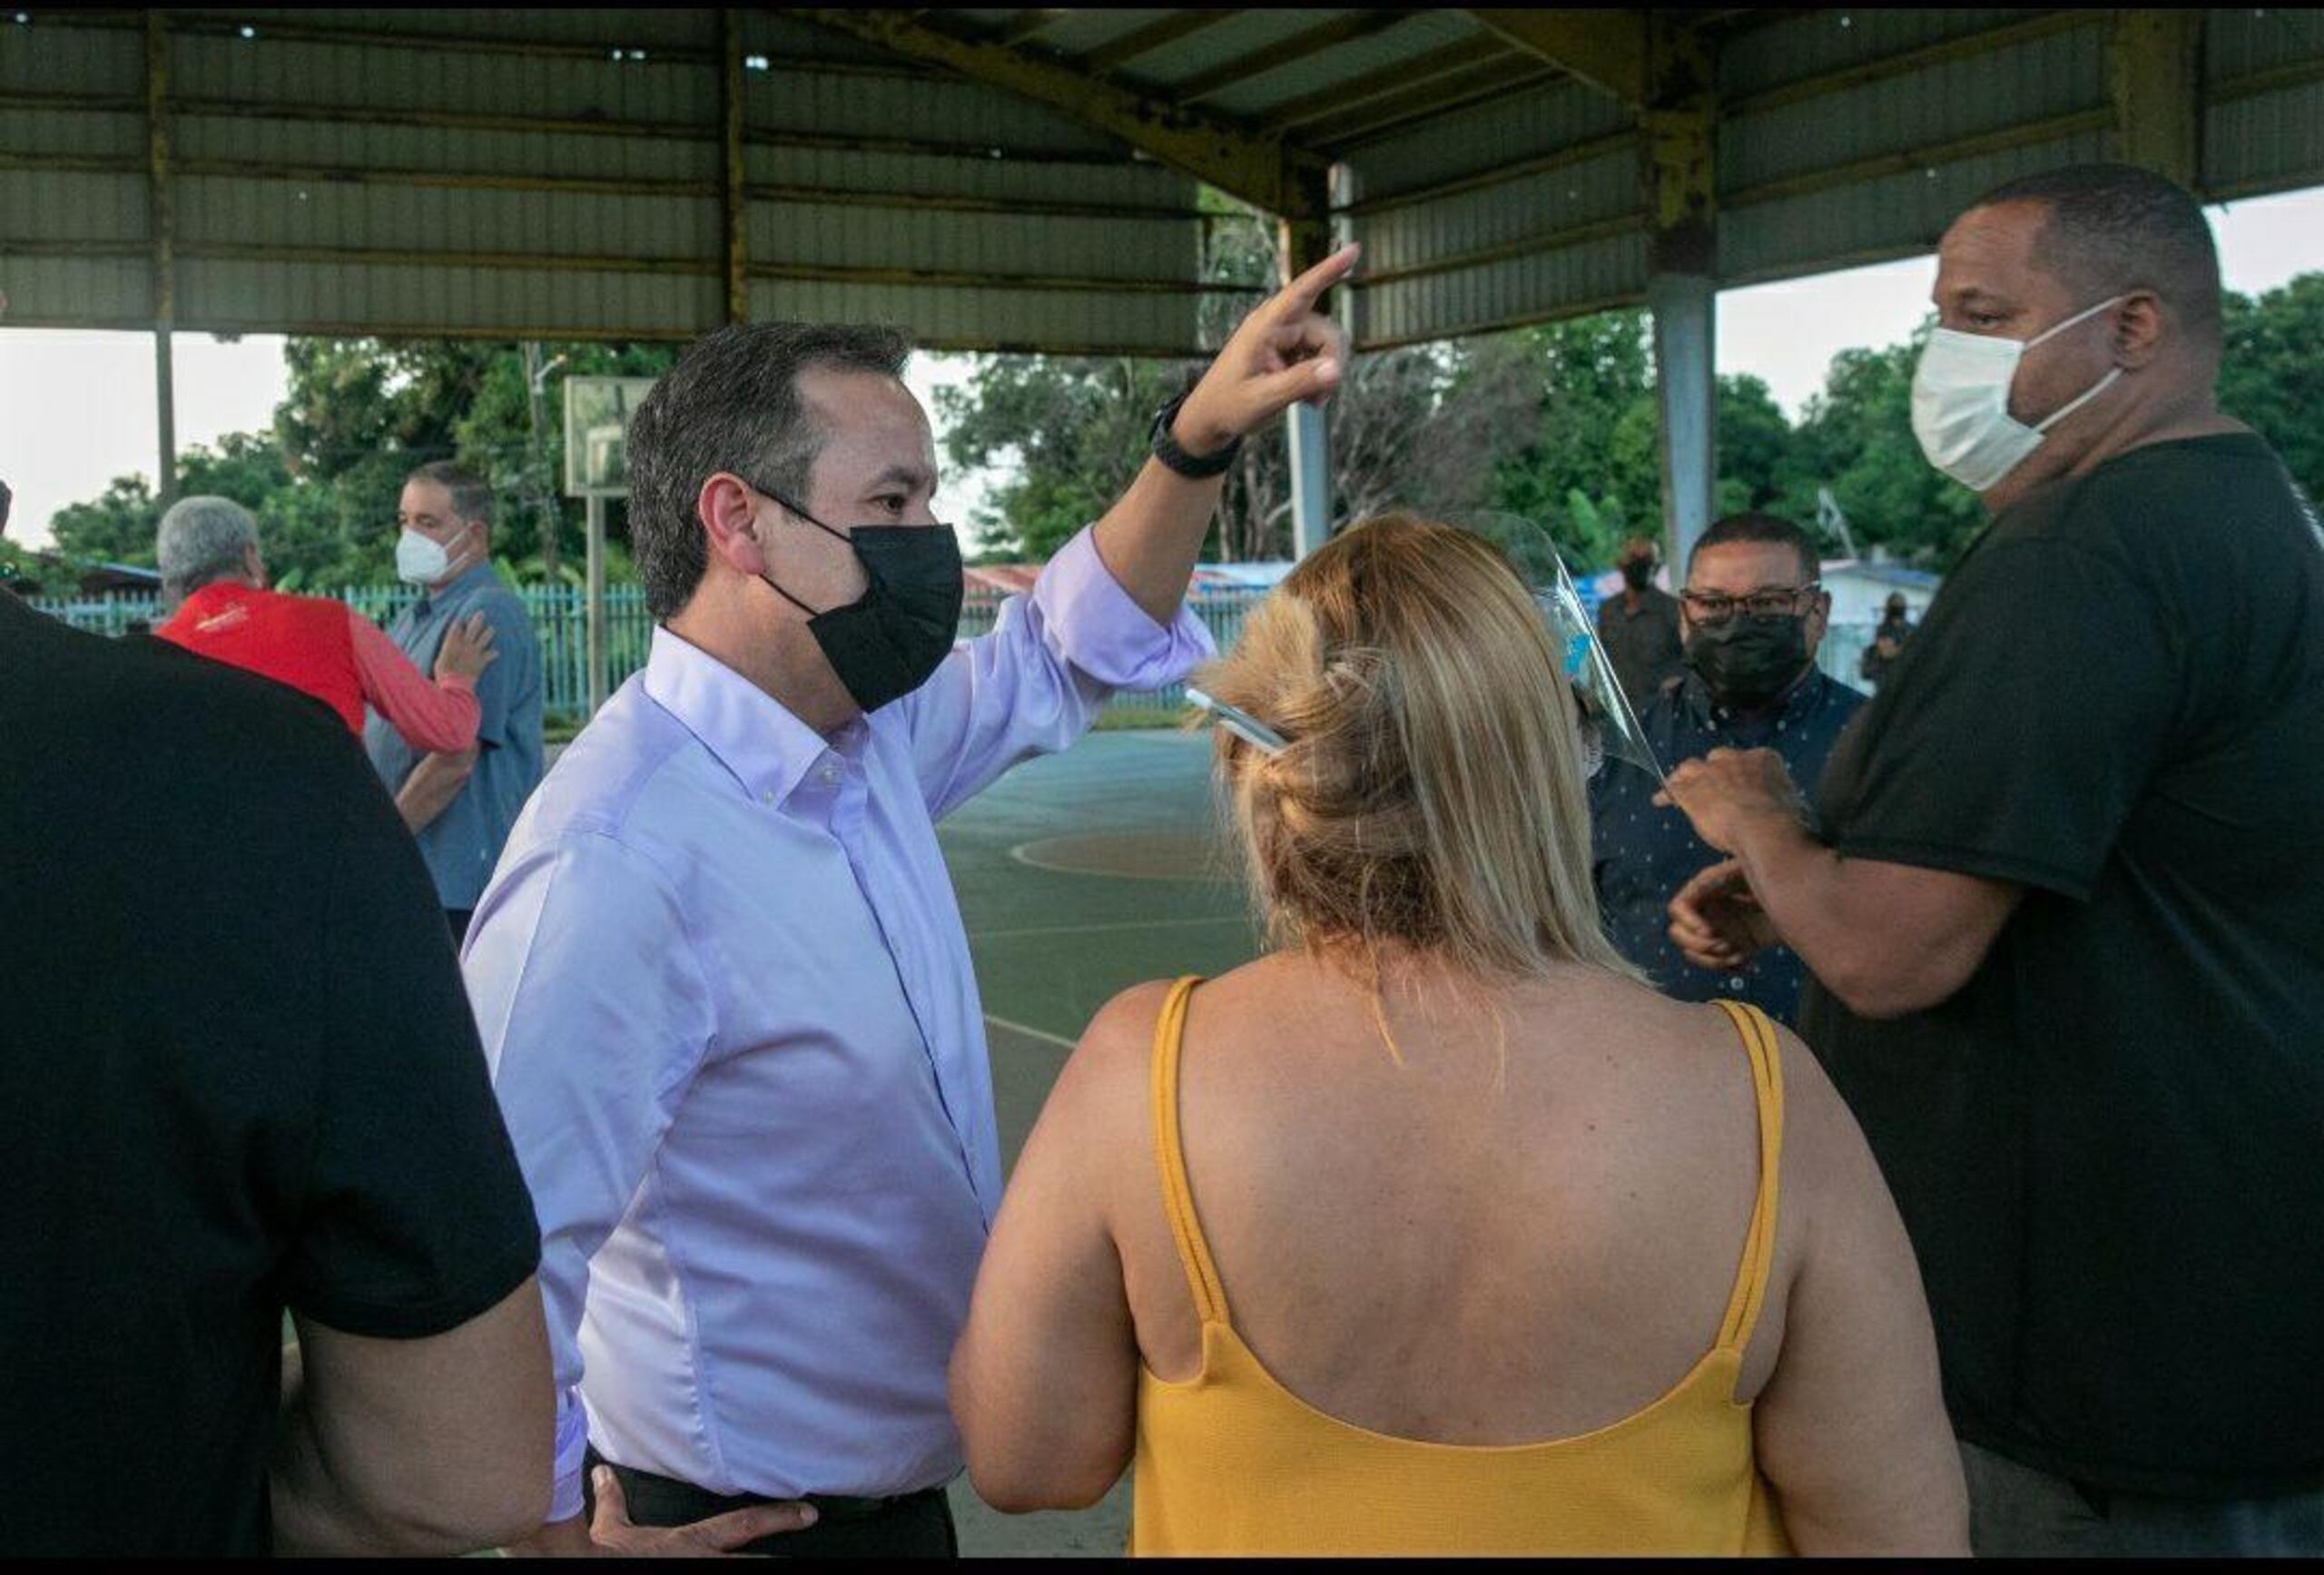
[1609, 728]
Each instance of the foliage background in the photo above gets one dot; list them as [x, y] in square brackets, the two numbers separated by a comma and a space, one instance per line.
[1556, 423]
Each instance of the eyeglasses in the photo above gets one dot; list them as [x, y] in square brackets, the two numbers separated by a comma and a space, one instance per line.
[1710, 607]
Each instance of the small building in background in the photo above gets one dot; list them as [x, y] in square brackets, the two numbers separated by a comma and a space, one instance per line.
[87, 582]
[1860, 589]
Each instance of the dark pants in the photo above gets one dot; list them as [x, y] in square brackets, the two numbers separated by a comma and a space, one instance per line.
[912, 1526]
[457, 918]
[2016, 1511]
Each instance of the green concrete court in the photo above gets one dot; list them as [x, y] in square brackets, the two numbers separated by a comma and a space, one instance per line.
[1081, 874]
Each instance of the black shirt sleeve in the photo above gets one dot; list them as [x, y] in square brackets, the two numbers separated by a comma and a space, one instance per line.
[2012, 737]
[415, 1215]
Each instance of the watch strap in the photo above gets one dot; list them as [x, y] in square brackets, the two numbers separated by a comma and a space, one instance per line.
[1193, 466]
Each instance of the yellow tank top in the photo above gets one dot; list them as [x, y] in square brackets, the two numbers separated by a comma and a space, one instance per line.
[1230, 1461]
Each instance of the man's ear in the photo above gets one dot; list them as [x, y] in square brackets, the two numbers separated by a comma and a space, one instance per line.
[2141, 328]
[726, 509]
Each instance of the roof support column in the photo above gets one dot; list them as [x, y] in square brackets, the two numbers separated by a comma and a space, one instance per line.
[2157, 78]
[161, 224]
[1307, 240]
[736, 198]
[1682, 289]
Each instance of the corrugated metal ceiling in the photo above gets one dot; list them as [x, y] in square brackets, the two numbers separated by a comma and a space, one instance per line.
[493, 172]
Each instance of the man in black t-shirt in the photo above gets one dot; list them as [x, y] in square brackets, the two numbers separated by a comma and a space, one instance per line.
[241, 1078]
[2065, 910]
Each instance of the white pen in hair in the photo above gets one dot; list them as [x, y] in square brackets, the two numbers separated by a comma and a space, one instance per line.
[1240, 722]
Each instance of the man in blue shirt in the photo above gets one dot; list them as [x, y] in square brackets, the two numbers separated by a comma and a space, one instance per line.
[462, 805]
[1751, 617]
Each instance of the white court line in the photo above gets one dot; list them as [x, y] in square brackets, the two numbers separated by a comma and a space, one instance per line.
[1028, 1033]
[1092, 929]
[1201, 876]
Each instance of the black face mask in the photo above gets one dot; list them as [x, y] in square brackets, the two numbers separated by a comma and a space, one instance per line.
[1638, 575]
[889, 641]
[1747, 661]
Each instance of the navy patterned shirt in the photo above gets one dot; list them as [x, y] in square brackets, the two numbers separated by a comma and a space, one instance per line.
[1641, 855]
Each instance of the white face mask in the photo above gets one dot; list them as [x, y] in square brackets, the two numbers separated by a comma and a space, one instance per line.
[1960, 402]
[421, 560]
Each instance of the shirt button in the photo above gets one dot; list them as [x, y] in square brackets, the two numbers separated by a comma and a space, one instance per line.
[1735, 983]
[767, 797]
[828, 775]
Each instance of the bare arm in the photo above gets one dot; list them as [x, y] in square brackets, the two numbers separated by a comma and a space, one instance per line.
[432, 786]
[1044, 1381]
[1284, 351]
[1886, 938]
[419, 1447]
[1851, 1429]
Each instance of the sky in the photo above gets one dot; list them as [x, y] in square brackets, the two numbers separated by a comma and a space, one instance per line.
[76, 409]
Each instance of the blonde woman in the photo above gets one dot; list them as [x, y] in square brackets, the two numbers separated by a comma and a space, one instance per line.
[1434, 1230]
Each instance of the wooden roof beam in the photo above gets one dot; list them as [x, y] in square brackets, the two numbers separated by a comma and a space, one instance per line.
[1262, 168]
[1609, 50]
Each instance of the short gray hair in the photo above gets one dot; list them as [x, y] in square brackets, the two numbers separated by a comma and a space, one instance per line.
[732, 403]
[201, 540]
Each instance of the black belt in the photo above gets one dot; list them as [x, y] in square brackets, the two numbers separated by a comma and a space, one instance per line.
[680, 1503]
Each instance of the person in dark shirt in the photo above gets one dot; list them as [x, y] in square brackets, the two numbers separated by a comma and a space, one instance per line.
[241, 1078]
[2065, 909]
[1888, 639]
[1754, 616]
[1640, 629]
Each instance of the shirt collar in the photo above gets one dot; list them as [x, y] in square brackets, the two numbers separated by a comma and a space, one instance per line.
[1805, 696]
[768, 749]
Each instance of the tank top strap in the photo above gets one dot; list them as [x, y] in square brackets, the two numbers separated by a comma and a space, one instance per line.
[1758, 1037]
[1170, 1158]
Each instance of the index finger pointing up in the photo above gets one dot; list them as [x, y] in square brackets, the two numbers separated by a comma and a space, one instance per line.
[1301, 293]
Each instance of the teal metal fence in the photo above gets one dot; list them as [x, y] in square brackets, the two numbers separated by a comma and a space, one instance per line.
[560, 617]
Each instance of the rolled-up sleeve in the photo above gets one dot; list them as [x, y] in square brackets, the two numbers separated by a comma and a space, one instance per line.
[593, 1016]
[1034, 684]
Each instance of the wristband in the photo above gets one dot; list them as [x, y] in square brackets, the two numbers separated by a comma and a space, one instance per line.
[1193, 466]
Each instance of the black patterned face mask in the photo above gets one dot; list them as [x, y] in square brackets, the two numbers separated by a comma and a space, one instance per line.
[891, 639]
[1746, 662]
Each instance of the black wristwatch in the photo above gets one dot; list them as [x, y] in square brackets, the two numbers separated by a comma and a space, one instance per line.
[1193, 466]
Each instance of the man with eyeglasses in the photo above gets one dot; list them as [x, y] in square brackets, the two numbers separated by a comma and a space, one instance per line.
[1751, 618]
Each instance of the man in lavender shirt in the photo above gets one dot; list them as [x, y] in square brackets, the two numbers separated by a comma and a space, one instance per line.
[720, 971]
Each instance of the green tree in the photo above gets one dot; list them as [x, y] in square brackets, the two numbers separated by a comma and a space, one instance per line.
[2271, 375]
[1755, 446]
[116, 527]
[357, 417]
[1856, 439]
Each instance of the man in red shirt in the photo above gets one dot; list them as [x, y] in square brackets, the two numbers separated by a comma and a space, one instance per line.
[209, 557]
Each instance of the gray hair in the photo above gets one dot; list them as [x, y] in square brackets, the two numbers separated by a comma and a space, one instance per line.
[731, 404]
[201, 540]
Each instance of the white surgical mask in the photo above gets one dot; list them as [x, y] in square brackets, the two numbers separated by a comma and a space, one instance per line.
[1960, 402]
[420, 560]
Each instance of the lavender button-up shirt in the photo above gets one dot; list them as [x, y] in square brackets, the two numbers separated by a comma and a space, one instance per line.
[727, 1002]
